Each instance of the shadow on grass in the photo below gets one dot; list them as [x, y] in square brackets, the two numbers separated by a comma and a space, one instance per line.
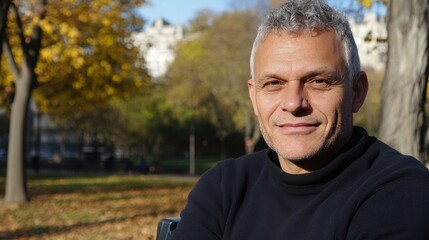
[39, 231]
[47, 185]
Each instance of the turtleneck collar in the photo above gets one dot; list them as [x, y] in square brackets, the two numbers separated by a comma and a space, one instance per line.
[344, 158]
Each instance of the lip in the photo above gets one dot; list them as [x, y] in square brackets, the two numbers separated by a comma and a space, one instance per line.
[297, 128]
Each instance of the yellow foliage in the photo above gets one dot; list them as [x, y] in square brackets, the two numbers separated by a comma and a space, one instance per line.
[106, 66]
[69, 31]
[8, 80]
[108, 41]
[78, 85]
[126, 67]
[52, 53]
[366, 3]
[109, 90]
[91, 70]
[73, 52]
[84, 60]
[78, 62]
[66, 12]
[90, 95]
[92, 41]
[43, 105]
[116, 78]
[47, 27]
[106, 22]
[83, 17]
[138, 83]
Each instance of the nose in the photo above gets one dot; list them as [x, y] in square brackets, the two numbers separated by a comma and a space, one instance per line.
[294, 97]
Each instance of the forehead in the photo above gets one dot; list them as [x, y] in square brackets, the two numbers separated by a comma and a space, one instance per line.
[298, 51]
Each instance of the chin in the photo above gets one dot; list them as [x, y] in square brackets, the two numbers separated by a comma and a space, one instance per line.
[297, 157]
[303, 152]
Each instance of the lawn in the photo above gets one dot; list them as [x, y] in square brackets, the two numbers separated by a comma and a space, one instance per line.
[94, 207]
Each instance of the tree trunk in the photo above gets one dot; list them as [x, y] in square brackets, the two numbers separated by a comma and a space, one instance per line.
[403, 123]
[192, 151]
[25, 81]
[16, 187]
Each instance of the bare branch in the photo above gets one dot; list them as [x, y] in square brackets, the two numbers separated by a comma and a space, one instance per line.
[20, 28]
[4, 8]
[35, 40]
[10, 58]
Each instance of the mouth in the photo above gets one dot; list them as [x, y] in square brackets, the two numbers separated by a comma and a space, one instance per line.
[298, 128]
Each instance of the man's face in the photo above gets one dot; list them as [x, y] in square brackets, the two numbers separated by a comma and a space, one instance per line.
[303, 99]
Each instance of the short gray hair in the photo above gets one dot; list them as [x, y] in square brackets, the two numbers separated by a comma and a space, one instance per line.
[309, 15]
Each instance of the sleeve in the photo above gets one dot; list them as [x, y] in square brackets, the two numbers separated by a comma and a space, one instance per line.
[201, 219]
[396, 211]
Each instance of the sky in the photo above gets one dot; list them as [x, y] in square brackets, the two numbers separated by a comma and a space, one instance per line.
[179, 12]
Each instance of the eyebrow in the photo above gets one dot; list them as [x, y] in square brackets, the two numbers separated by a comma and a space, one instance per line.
[323, 71]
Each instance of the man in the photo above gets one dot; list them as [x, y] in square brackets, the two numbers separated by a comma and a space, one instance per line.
[321, 178]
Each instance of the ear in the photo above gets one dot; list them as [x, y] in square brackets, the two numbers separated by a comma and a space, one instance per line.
[360, 89]
[251, 86]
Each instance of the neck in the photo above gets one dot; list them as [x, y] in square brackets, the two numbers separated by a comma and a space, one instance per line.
[302, 166]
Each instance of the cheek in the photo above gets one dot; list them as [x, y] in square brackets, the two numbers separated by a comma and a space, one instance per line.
[332, 106]
[266, 106]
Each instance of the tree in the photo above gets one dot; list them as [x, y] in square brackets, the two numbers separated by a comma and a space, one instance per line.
[91, 46]
[208, 77]
[231, 40]
[89, 57]
[25, 79]
[403, 121]
[146, 122]
[84, 62]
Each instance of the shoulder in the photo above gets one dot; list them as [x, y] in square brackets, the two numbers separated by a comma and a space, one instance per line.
[394, 196]
[395, 163]
[395, 200]
[222, 186]
[390, 177]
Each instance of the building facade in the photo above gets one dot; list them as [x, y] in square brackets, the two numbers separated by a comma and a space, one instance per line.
[371, 40]
[157, 45]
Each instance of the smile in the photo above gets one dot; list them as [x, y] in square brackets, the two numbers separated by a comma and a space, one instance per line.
[297, 128]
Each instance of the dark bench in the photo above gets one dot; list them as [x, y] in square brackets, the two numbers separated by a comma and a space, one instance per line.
[165, 227]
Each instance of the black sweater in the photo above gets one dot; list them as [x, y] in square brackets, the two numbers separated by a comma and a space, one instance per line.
[369, 191]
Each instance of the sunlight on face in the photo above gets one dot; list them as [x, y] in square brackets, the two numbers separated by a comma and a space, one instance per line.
[303, 102]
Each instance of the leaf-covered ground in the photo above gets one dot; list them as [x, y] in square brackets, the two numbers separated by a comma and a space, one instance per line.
[102, 207]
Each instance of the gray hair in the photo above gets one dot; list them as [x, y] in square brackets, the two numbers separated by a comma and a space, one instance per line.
[309, 15]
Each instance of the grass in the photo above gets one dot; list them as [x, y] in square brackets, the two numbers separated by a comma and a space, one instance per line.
[181, 166]
[99, 207]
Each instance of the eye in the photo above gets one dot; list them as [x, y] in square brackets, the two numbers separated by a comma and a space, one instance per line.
[273, 85]
[320, 83]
